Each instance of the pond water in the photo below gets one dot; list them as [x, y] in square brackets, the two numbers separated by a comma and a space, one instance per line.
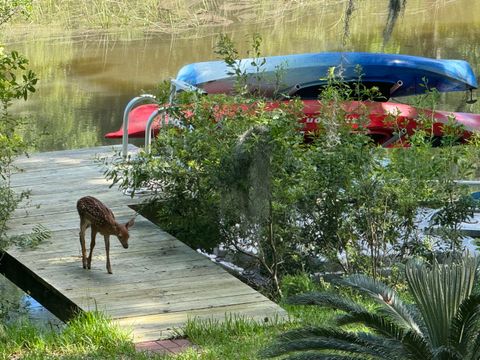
[86, 80]
[15, 305]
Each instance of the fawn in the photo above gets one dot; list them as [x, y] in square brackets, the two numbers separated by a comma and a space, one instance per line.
[101, 219]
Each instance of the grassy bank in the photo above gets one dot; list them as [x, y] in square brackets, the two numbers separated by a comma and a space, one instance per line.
[93, 336]
[90, 336]
[169, 16]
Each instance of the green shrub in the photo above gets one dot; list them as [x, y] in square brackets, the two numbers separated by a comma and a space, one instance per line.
[16, 82]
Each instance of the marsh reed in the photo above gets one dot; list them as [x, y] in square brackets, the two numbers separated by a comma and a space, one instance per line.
[156, 15]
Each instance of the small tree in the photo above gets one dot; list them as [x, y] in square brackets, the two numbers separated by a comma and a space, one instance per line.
[16, 82]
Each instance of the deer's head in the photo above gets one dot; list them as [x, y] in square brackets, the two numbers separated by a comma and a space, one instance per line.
[122, 232]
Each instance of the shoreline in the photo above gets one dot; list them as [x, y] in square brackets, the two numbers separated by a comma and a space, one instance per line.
[202, 23]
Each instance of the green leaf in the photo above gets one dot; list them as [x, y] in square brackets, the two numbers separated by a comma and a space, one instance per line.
[327, 299]
[331, 340]
[391, 305]
[466, 324]
[439, 291]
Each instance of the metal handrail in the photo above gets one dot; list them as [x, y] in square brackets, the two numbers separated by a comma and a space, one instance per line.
[132, 103]
[148, 129]
[176, 85]
[467, 182]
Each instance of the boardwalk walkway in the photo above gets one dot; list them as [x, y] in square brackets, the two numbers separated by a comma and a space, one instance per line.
[156, 284]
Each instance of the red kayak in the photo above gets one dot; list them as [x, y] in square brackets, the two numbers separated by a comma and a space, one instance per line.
[385, 119]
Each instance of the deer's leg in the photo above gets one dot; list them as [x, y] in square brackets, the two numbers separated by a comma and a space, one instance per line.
[83, 228]
[107, 249]
[92, 245]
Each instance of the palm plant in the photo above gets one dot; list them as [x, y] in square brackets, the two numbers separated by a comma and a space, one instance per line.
[444, 322]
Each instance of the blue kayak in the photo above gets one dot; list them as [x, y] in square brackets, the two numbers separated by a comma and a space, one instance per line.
[304, 75]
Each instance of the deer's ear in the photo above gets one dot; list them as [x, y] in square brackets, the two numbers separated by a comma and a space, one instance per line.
[130, 223]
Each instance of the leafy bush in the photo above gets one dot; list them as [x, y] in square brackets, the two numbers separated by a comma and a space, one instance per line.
[16, 82]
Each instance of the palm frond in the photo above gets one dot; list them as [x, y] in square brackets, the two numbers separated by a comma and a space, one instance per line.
[439, 291]
[380, 345]
[378, 323]
[390, 303]
[324, 344]
[315, 338]
[320, 356]
[447, 353]
[474, 353]
[418, 318]
[394, 347]
[326, 299]
[466, 324]
[417, 346]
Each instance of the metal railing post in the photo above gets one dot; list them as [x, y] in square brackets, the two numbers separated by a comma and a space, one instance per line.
[148, 127]
[132, 103]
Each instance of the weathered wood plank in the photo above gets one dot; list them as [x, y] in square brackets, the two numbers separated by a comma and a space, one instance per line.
[117, 309]
[58, 222]
[146, 326]
[65, 216]
[64, 204]
[150, 246]
[66, 158]
[58, 176]
[174, 286]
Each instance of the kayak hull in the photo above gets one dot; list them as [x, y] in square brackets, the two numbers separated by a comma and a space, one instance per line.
[384, 118]
[299, 72]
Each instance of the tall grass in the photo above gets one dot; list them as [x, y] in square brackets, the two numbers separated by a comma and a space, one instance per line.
[164, 16]
[91, 335]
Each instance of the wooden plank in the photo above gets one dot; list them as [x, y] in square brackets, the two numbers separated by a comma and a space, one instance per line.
[75, 187]
[117, 309]
[65, 204]
[174, 286]
[59, 176]
[66, 158]
[65, 194]
[58, 222]
[59, 246]
[66, 216]
[165, 258]
[97, 276]
[147, 326]
[158, 282]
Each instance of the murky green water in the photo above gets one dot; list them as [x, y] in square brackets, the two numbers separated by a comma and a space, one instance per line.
[87, 80]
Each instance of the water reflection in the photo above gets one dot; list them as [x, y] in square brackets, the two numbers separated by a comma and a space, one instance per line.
[15, 306]
[86, 81]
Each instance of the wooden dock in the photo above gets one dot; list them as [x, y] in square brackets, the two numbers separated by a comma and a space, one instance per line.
[157, 284]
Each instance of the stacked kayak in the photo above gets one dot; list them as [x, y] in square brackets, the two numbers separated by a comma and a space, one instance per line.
[304, 76]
